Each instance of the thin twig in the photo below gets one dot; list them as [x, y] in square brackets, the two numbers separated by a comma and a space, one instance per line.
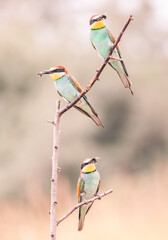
[82, 203]
[99, 71]
[54, 172]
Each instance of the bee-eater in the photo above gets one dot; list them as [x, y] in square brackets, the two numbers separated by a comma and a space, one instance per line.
[68, 88]
[88, 186]
[102, 40]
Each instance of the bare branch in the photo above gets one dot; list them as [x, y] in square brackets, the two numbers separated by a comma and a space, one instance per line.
[54, 172]
[82, 203]
[98, 72]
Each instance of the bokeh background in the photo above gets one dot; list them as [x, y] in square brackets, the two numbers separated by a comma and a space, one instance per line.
[133, 146]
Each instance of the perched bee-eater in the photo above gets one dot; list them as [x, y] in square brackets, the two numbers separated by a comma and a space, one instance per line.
[88, 186]
[102, 40]
[68, 88]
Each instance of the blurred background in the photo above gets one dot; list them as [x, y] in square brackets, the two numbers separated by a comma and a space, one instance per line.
[133, 146]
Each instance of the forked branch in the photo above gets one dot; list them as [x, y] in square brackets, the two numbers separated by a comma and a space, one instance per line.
[99, 71]
[53, 222]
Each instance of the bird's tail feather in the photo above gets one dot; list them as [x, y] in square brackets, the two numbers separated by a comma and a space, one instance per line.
[97, 120]
[124, 78]
[80, 224]
[93, 117]
[126, 82]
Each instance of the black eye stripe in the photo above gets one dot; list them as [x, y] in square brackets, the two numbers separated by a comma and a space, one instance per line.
[57, 70]
[97, 19]
[92, 21]
[83, 164]
[93, 160]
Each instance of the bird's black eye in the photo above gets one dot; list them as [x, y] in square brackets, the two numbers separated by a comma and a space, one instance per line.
[97, 19]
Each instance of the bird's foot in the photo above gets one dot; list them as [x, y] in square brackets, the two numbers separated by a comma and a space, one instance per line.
[85, 201]
[97, 195]
[82, 193]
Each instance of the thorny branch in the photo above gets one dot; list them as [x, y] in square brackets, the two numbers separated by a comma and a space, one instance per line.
[82, 203]
[99, 71]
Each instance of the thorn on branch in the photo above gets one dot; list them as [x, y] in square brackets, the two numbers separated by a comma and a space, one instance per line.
[52, 235]
[49, 212]
[56, 147]
[55, 202]
[52, 122]
[52, 179]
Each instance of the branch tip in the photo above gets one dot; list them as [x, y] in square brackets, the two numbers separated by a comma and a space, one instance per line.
[131, 17]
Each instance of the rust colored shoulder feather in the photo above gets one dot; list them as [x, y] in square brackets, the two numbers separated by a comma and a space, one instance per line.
[75, 83]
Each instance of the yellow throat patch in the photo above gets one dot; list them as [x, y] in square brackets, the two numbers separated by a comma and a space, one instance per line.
[56, 76]
[97, 25]
[89, 168]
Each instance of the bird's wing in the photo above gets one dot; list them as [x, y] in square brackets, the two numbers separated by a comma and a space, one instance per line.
[112, 38]
[75, 83]
[98, 187]
[85, 98]
[80, 188]
[93, 45]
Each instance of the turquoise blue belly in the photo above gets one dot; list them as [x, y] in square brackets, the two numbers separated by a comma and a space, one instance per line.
[65, 88]
[91, 183]
[101, 41]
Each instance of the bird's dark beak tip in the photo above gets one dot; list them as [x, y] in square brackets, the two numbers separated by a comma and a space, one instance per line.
[95, 159]
[39, 74]
[104, 16]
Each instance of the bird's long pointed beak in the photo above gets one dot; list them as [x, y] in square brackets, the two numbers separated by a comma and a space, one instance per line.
[95, 159]
[103, 16]
[44, 72]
